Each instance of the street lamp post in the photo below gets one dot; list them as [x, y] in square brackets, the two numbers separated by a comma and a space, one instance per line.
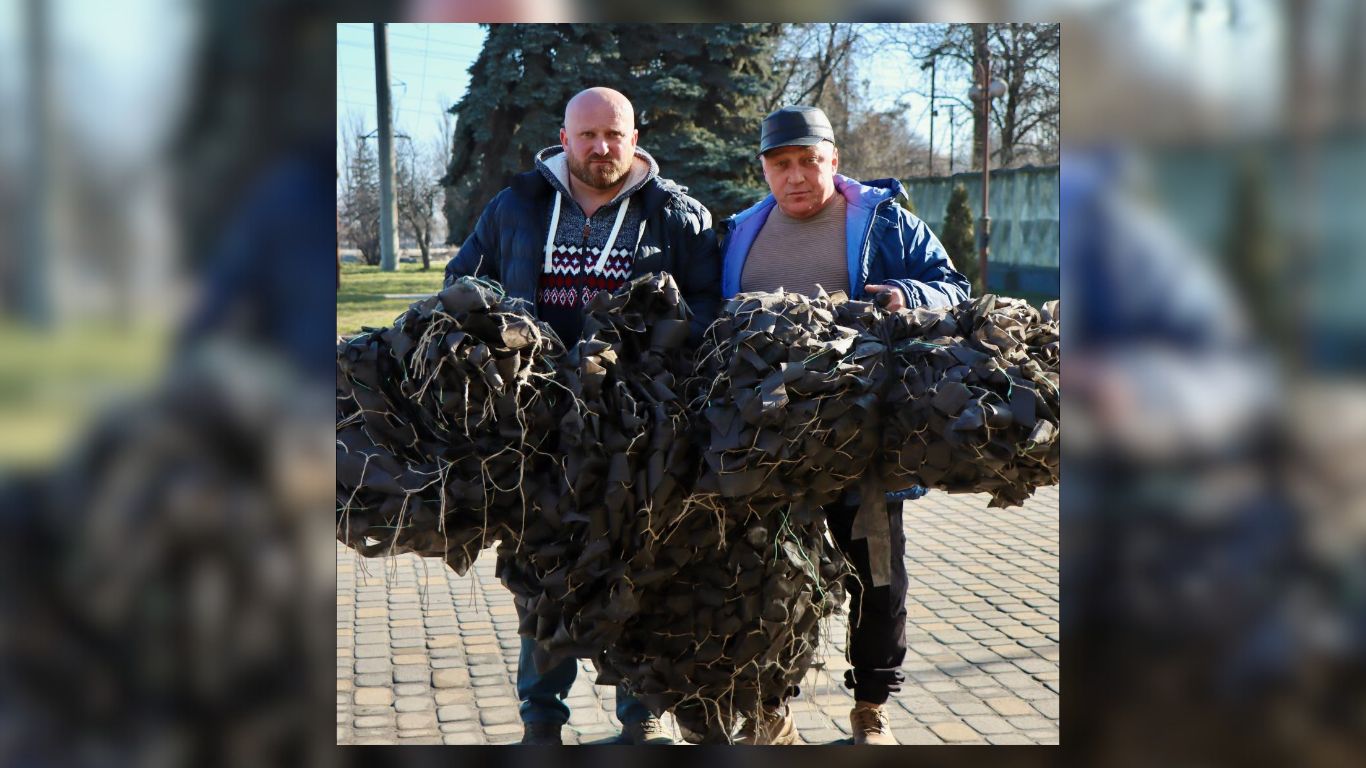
[933, 112]
[986, 90]
[986, 170]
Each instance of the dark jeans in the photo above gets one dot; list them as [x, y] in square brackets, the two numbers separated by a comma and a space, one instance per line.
[543, 695]
[877, 615]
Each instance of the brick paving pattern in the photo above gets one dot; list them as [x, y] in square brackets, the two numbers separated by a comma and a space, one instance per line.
[428, 657]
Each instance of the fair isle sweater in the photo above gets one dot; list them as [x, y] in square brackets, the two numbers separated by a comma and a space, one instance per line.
[575, 268]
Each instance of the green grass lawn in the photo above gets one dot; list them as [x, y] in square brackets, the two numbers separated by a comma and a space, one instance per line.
[361, 302]
[53, 384]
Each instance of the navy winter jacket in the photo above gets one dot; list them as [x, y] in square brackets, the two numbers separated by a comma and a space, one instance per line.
[508, 240]
[886, 244]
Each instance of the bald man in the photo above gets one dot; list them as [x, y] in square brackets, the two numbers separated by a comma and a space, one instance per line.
[593, 214]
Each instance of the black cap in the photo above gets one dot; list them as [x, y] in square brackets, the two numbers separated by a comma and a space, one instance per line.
[795, 127]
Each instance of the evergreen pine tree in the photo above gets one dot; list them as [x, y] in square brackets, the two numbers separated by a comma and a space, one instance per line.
[489, 146]
[699, 94]
[958, 237]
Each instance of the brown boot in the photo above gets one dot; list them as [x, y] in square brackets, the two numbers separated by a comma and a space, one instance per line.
[870, 724]
[774, 726]
[647, 731]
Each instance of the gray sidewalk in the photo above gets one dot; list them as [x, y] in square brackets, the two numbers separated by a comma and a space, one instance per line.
[428, 657]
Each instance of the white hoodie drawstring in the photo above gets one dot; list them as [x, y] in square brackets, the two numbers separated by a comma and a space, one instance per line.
[612, 238]
[601, 265]
[550, 237]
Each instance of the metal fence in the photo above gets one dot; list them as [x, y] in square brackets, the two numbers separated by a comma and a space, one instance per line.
[1024, 223]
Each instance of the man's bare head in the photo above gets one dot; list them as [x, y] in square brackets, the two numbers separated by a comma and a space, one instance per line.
[599, 137]
[591, 101]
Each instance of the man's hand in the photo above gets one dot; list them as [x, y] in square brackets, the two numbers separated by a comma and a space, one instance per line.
[894, 301]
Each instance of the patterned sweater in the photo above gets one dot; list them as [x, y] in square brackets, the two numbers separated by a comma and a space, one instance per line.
[575, 267]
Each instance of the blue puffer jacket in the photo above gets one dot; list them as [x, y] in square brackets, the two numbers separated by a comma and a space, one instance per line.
[886, 244]
[508, 240]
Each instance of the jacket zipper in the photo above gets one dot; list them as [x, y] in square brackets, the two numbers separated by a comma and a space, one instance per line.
[582, 282]
[863, 252]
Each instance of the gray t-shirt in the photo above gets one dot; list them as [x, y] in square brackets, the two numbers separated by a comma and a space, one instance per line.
[799, 254]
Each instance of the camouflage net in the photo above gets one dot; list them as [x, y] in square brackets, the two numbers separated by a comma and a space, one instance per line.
[626, 468]
[660, 511]
[737, 623]
[973, 402]
[624, 566]
[441, 422]
[788, 401]
[803, 398]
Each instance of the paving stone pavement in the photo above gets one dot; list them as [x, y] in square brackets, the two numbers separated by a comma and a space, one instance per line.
[428, 657]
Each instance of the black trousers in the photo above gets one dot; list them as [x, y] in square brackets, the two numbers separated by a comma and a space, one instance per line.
[877, 615]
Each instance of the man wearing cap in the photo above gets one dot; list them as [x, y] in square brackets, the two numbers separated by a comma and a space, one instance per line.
[819, 228]
[593, 214]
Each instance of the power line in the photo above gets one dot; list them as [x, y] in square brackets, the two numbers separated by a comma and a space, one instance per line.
[407, 73]
[453, 58]
[341, 71]
[422, 93]
[414, 50]
[363, 28]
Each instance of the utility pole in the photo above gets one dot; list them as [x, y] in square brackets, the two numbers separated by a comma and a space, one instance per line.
[388, 206]
[933, 112]
[35, 296]
[986, 165]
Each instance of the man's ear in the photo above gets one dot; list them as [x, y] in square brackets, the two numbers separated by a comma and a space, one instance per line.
[564, 139]
[835, 158]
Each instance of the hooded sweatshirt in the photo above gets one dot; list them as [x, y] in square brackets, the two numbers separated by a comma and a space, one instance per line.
[586, 254]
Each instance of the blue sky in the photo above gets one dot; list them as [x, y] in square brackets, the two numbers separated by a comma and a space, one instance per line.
[428, 66]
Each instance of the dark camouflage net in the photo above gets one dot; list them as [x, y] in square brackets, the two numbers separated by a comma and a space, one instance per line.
[626, 466]
[441, 421]
[788, 402]
[658, 510]
[973, 401]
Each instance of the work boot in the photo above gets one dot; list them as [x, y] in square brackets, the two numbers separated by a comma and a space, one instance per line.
[647, 731]
[541, 734]
[774, 726]
[870, 724]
